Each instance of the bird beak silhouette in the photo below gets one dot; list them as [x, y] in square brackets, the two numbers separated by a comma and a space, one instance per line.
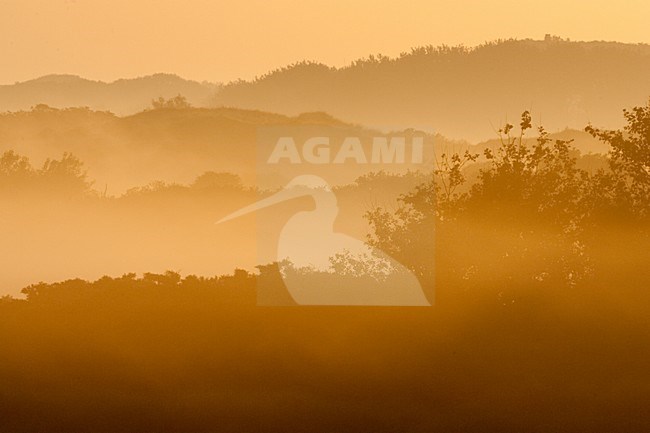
[279, 197]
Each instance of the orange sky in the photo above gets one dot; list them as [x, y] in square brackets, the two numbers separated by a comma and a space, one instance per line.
[224, 40]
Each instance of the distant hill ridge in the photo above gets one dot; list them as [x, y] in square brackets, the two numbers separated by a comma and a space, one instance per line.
[459, 92]
[123, 96]
[463, 92]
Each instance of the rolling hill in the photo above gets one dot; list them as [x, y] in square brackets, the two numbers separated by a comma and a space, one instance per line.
[176, 145]
[124, 96]
[463, 93]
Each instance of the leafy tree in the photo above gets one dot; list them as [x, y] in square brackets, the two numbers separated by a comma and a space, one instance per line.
[178, 101]
[15, 171]
[65, 175]
[628, 183]
[521, 218]
[540, 183]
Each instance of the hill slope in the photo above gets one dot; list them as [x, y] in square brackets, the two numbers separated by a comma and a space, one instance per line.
[461, 92]
[125, 96]
[171, 145]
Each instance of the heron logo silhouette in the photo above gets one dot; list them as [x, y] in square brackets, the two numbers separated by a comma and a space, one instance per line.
[308, 241]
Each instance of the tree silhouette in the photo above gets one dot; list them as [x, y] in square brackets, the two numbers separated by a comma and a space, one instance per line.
[628, 183]
[178, 101]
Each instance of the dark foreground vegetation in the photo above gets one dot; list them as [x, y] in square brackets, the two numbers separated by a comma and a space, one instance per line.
[541, 320]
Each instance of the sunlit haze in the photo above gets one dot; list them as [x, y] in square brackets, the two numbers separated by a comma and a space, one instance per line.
[227, 40]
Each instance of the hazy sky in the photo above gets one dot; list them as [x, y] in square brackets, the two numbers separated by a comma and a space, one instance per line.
[224, 40]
